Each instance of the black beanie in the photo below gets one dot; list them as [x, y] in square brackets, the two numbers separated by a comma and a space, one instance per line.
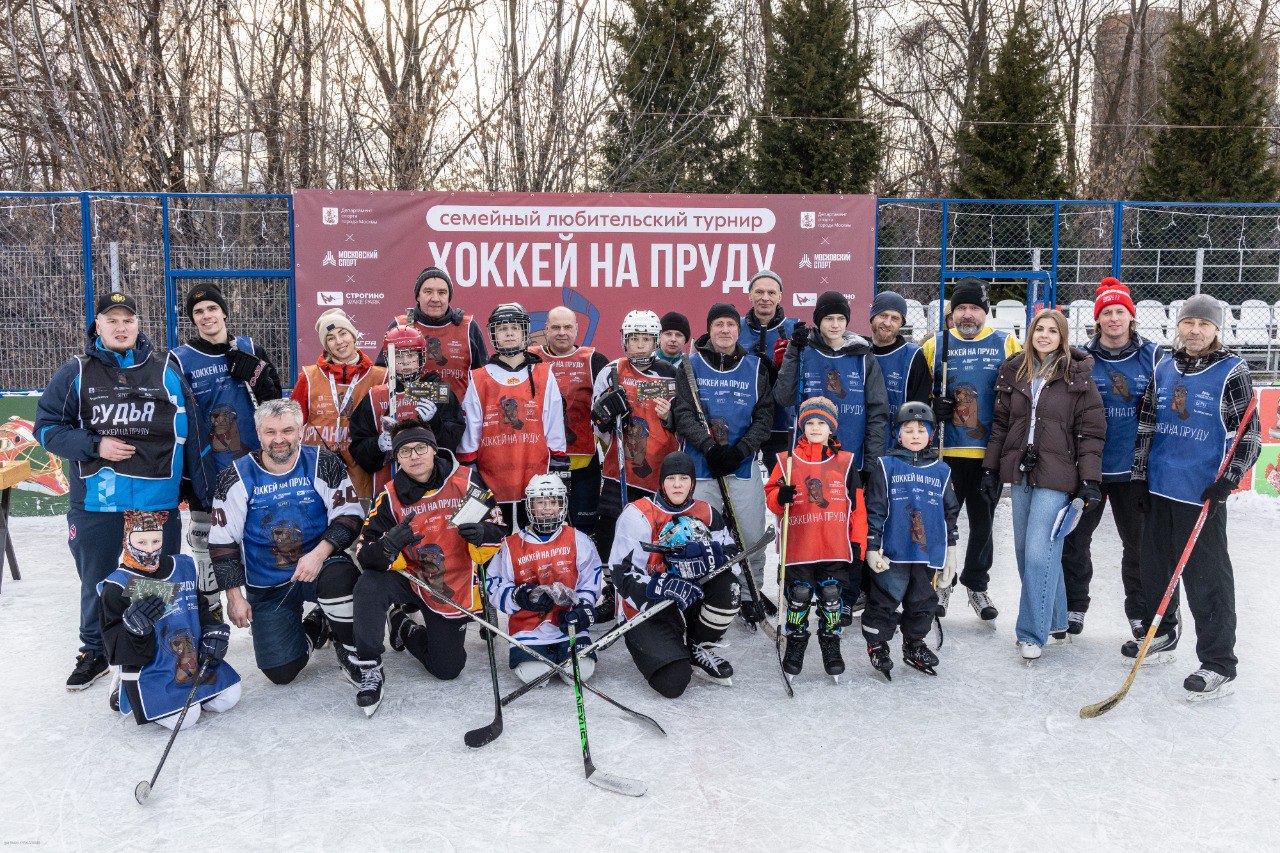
[722, 309]
[970, 291]
[205, 293]
[411, 432]
[432, 272]
[831, 302]
[676, 462]
[674, 321]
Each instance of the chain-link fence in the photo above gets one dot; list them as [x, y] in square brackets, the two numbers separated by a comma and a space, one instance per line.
[154, 247]
[1059, 251]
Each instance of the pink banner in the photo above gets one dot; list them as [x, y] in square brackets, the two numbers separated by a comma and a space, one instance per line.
[601, 254]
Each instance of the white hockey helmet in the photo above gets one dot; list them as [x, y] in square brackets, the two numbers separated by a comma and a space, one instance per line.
[551, 513]
[641, 323]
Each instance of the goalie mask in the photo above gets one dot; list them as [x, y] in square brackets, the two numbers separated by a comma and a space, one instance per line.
[682, 530]
[143, 539]
[689, 549]
[509, 313]
[546, 501]
[641, 323]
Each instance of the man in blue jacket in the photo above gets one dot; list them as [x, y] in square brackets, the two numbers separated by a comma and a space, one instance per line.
[119, 415]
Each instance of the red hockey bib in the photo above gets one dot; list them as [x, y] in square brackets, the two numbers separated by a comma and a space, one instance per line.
[819, 518]
[441, 558]
[573, 375]
[657, 518]
[448, 351]
[542, 563]
[646, 441]
[513, 440]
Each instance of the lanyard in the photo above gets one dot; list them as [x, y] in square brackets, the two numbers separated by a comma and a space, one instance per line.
[333, 391]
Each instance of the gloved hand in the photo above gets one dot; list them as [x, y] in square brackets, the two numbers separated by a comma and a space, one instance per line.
[609, 408]
[530, 596]
[559, 466]
[990, 486]
[425, 410]
[943, 409]
[1141, 496]
[398, 538]
[724, 459]
[779, 351]
[475, 532]
[580, 616]
[786, 494]
[877, 561]
[677, 589]
[213, 643]
[948, 568]
[695, 560]
[243, 366]
[800, 336]
[384, 441]
[1218, 491]
[141, 615]
[1090, 492]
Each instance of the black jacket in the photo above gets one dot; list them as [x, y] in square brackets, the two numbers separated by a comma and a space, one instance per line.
[692, 428]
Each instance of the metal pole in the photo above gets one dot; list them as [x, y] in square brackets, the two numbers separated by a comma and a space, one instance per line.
[170, 291]
[86, 254]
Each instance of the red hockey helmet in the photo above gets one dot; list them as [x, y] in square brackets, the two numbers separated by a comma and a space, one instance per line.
[404, 337]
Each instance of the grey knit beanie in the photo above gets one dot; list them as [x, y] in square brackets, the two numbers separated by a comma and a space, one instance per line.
[1201, 307]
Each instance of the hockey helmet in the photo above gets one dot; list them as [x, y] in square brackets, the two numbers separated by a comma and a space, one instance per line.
[553, 503]
[509, 313]
[641, 323]
[404, 337]
[914, 411]
[682, 530]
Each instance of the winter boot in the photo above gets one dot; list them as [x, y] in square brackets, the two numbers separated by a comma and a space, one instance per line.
[316, 626]
[879, 654]
[89, 668]
[982, 605]
[832, 661]
[710, 665]
[1204, 684]
[793, 658]
[916, 654]
[1161, 650]
[369, 696]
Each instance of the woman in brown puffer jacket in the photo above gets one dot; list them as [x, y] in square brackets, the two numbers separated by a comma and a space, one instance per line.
[1046, 441]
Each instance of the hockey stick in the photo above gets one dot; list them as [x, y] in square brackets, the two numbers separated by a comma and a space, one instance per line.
[786, 523]
[143, 789]
[940, 390]
[477, 738]
[617, 784]
[1088, 712]
[532, 650]
[618, 630]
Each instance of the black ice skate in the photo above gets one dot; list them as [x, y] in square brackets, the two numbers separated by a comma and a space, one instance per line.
[918, 655]
[348, 664]
[710, 665]
[879, 654]
[793, 660]
[605, 609]
[316, 627]
[369, 697]
[399, 624]
[1161, 650]
[832, 661]
[1075, 622]
[1204, 685]
[983, 606]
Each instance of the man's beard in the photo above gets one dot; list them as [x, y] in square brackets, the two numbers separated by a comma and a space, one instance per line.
[968, 328]
[281, 458]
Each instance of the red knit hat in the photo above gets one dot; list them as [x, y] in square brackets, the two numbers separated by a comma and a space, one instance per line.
[1112, 292]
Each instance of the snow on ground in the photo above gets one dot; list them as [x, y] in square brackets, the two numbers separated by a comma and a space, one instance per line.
[989, 755]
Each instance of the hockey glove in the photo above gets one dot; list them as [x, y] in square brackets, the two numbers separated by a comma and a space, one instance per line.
[425, 410]
[243, 366]
[677, 589]
[990, 486]
[1219, 490]
[1089, 492]
[877, 561]
[384, 441]
[559, 467]
[398, 538]
[609, 409]
[800, 336]
[580, 616]
[948, 568]
[724, 459]
[943, 409]
[786, 494]
[695, 560]
[140, 616]
[213, 643]
[477, 533]
[531, 597]
[779, 351]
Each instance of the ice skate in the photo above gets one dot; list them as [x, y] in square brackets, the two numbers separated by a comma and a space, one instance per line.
[880, 660]
[832, 660]
[793, 658]
[1030, 652]
[1075, 622]
[944, 598]
[1161, 650]
[710, 665]
[398, 623]
[982, 605]
[369, 697]
[916, 654]
[1204, 685]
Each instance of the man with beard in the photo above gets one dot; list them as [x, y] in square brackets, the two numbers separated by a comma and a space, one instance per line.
[229, 375]
[761, 330]
[454, 344]
[575, 369]
[902, 363]
[1123, 364]
[283, 517]
[514, 414]
[964, 410]
[410, 530]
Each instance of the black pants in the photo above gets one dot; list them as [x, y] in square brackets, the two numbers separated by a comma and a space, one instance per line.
[847, 576]
[1208, 578]
[660, 646]
[584, 496]
[437, 644]
[966, 477]
[610, 507]
[1077, 560]
[912, 587]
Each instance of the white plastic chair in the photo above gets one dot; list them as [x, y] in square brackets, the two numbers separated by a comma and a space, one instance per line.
[1152, 321]
[934, 320]
[1010, 313]
[1080, 322]
[917, 320]
[1228, 330]
[1253, 328]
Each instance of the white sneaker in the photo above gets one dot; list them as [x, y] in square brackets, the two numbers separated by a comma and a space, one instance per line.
[1029, 651]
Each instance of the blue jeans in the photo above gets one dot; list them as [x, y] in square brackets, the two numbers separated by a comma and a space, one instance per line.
[1043, 605]
[278, 635]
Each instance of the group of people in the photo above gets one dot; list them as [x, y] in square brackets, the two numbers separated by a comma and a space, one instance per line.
[475, 468]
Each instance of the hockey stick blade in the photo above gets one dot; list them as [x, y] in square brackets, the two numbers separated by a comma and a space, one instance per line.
[617, 784]
[141, 792]
[484, 735]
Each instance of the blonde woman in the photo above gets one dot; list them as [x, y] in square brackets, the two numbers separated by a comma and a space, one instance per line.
[1046, 441]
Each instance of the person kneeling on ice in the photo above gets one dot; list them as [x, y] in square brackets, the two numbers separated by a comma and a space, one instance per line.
[911, 539]
[546, 577]
[161, 632]
[669, 647]
[410, 530]
[826, 532]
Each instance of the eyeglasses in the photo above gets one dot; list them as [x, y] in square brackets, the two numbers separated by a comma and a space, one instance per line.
[417, 449]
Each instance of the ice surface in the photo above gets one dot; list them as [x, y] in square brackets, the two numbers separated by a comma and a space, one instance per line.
[988, 755]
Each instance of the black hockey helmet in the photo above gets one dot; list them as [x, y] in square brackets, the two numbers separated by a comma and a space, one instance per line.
[914, 411]
[509, 313]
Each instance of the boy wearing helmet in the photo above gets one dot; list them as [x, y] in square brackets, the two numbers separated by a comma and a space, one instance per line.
[514, 415]
[826, 532]
[631, 400]
[546, 577]
[419, 393]
[911, 540]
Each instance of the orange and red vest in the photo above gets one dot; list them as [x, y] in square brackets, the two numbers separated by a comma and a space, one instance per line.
[573, 375]
[513, 439]
[448, 351]
[646, 439]
[442, 558]
[542, 564]
[329, 418]
[657, 518]
[380, 400]
[823, 519]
